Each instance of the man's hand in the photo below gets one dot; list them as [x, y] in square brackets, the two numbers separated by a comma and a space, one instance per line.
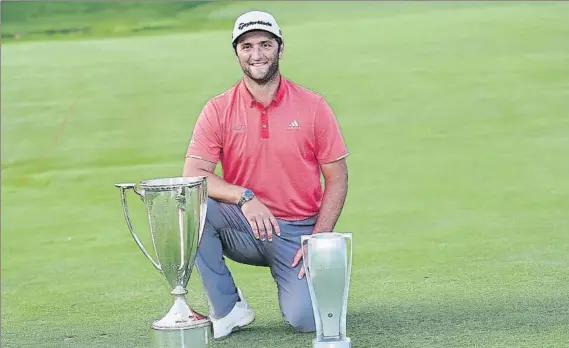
[262, 222]
[297, 259]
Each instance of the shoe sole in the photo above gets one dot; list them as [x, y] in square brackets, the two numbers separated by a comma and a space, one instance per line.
[236, 328]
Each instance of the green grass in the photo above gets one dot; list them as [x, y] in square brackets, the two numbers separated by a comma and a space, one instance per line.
[456, 119]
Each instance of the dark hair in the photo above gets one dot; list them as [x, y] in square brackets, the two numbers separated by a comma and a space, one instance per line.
[278, 39]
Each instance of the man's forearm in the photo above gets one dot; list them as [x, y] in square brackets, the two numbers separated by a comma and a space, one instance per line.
[217, 188]
[332, 204]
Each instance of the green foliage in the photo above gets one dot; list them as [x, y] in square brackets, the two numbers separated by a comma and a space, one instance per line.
[38, 20]
[21, 11]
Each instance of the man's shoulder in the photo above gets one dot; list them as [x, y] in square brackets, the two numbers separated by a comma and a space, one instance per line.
[302, 91]
[222, 99]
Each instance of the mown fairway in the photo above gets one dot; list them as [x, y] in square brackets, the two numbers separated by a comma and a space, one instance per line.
[457, 119]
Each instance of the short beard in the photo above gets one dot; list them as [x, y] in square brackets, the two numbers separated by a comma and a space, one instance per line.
[269, 76]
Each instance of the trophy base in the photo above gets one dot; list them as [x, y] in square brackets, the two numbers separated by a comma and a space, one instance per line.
[182, 317]
[335, 343]
[168, 323]
[197, 337]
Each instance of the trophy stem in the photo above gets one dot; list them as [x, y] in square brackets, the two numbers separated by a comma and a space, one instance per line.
[180, 315]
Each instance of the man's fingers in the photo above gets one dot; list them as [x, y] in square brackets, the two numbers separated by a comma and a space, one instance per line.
[297, 258]
[275, 224]
[254, 227]
[261, 226]
[268, 229]
[301, 273]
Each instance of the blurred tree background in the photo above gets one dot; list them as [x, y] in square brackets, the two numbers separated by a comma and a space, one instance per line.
[60, 20]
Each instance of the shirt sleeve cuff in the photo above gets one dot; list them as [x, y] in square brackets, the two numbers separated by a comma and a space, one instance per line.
[332, 158]
[201, 156]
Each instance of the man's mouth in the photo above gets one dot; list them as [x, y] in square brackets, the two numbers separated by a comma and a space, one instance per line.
[258, 64]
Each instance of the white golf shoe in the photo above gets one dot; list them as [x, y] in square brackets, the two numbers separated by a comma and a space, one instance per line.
[241, 315]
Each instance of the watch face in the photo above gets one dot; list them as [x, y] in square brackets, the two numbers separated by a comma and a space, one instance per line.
[248, 194]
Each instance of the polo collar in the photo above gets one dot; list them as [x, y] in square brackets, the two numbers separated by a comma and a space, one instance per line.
[248, 97]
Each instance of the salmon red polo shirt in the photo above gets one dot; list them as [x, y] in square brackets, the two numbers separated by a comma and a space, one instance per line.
[275, 151]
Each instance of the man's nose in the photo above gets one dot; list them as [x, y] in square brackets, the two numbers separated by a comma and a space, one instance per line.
[256, 53]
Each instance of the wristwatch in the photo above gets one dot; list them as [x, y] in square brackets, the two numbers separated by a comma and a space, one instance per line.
[246, 196]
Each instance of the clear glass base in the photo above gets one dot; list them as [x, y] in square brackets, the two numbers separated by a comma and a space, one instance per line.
[339, 343]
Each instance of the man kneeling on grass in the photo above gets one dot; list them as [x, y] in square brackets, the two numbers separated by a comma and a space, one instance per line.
[274, 138]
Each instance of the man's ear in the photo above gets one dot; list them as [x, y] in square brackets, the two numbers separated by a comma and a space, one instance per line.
[234, 45]
[281, 51]
[236, 54]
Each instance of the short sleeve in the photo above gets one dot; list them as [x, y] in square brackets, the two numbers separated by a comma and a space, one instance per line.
[330, 145]
[206, 141]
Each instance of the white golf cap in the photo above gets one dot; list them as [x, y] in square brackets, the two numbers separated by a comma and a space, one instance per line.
[256, 20]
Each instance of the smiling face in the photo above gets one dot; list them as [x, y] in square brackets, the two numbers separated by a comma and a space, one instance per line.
[258, 54]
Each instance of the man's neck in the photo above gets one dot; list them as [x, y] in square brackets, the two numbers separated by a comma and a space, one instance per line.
[265, 93]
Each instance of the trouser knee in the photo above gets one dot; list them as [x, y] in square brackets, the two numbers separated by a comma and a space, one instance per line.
[213, 208]
[212, 217]
[302, 320]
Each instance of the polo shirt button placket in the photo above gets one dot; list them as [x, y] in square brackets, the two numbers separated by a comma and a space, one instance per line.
[264, 124]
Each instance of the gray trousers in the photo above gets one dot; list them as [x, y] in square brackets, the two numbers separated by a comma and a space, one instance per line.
[228, 234]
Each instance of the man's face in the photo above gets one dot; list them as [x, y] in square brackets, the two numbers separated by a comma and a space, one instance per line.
[258, 54]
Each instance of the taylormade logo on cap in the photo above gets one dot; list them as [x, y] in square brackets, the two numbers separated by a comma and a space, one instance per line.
[245, 25]
[255, 20]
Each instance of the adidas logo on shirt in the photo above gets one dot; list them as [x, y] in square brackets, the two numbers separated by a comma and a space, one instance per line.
[293, 125]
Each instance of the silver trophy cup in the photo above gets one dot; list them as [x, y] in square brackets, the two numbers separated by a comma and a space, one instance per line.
[176, 209]
[327, 260]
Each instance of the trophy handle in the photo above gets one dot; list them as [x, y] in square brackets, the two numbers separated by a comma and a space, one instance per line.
[123, 188]
[203, 199]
